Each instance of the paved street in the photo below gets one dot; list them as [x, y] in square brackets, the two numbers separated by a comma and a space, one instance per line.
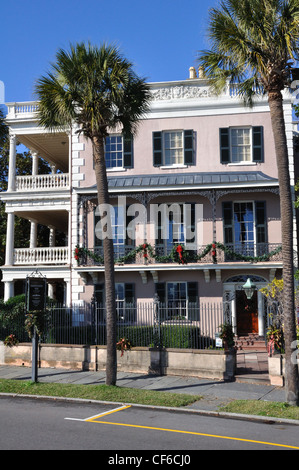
[58, 425]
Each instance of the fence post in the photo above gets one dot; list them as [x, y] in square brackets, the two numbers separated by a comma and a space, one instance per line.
[157, 322]
[34, 355]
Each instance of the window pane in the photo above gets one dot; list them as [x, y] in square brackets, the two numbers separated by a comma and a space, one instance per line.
[114, 151]
[243, 223]
[173, 148]
[241, 145]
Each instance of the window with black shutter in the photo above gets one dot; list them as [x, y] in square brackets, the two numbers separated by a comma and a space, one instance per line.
[174, 147]
[241, 144]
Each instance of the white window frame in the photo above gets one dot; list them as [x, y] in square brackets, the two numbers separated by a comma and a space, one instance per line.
[167, 242]
[182, 148]
[178, 309]
[241, 162]
[115, 168]
[254, 220]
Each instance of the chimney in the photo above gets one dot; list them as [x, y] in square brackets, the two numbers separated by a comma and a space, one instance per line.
[192, 72]
[201, 73]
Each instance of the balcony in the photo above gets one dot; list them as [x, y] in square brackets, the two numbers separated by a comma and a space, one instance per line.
[37, 256]
[42, 182]
[208, 254]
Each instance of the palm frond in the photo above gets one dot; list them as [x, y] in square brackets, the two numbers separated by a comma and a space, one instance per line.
[252, 41]
[94, 87]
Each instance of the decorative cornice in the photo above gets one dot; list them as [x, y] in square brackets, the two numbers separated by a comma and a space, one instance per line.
[180, 92]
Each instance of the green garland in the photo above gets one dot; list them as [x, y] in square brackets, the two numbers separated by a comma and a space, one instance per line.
[178, 254]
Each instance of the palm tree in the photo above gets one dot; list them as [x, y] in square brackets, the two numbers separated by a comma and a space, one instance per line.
[97, 89]
[254, 45]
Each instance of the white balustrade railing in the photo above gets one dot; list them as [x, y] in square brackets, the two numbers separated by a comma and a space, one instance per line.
[24, 107]
[42, 182]
[47, 255]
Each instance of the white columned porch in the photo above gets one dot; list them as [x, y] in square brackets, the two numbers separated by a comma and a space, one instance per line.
[11, 186]
[33, 224]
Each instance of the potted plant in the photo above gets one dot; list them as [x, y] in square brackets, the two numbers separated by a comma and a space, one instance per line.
[227, 336]
[10, 341]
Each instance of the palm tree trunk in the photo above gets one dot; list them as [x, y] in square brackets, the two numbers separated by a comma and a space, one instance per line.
[103, 198]
[286, 210]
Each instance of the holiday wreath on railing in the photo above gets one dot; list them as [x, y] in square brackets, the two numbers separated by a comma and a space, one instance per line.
[179, 254]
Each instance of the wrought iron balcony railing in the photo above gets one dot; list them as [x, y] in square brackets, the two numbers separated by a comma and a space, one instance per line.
[175, 253]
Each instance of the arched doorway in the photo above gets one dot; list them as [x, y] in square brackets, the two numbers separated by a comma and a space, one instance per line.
[247, 315]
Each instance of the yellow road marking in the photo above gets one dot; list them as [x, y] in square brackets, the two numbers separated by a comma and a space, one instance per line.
[92, 418]
[195, 434]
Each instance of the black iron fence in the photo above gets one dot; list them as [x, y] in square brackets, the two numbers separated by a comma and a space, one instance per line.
[172, 325]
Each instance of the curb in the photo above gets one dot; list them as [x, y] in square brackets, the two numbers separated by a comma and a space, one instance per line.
[214, 414]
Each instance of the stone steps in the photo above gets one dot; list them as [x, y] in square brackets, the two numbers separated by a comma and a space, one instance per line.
[250, 342]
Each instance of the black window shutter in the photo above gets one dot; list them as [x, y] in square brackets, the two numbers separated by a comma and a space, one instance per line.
[261, 222]
[188, 147]
[192, 289]
[192, 226]
[224, 145]
[161, 291]
[258, 144]
[130, 235]
[227, 210]
[193, 310]
[128, 151]
[129, 292]
[157, 148]
[98, 242]
[99, 290]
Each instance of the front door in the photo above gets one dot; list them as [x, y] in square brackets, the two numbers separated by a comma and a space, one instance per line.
[247, 313]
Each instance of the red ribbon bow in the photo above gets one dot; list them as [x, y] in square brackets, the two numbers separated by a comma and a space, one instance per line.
[179, 251]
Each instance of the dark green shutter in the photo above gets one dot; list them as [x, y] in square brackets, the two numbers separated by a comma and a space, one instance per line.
[130, 232]
[188, 147]
[129, 293]
[128, 151]
[257, 144]
[192, 226]
[161, 291]
[192, 289]
[193, 304]
[99, 293]
[224, 145]
[98, 242]
[227, 210]
[157, 148]
[260, 222]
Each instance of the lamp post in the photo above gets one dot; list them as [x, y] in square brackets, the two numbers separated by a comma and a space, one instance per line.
[249, 288]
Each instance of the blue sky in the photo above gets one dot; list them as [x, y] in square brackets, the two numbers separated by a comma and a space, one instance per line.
[162, 38]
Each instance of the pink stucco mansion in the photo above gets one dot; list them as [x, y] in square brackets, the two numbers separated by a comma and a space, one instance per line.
[210, 155]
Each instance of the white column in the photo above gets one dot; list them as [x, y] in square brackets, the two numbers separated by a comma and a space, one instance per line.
[33, 234]
[50, 290]
[8, 290]
[34, 162]
[11, 186]
[261, 323]
[52, 236]
[10, 239]
[67, 293]
[234, 315]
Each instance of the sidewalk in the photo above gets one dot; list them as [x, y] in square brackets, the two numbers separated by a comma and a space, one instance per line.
[214, 393]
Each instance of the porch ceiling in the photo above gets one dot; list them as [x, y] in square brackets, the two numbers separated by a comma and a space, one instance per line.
[54, 148]
[57, 219]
